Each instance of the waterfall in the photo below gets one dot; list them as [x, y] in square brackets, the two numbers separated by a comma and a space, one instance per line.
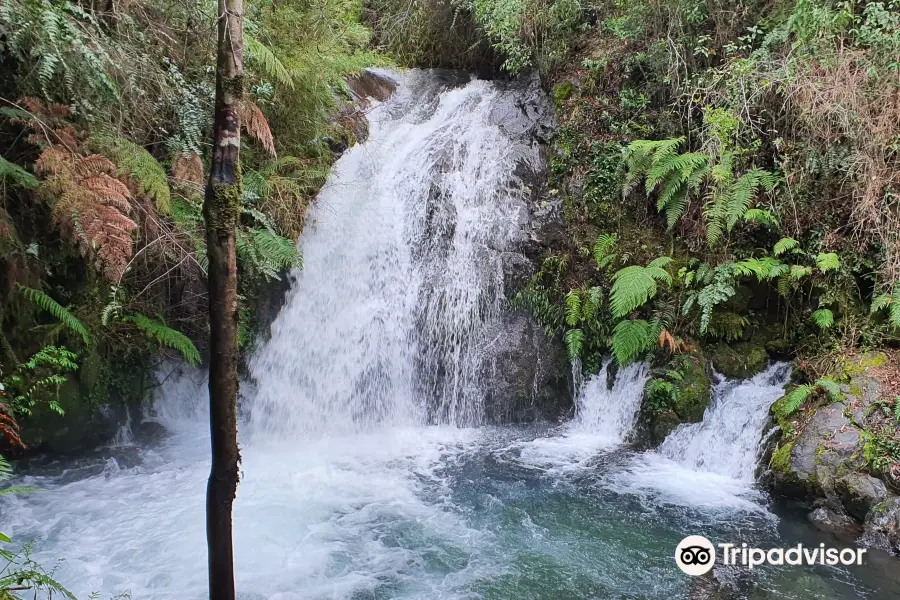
[403, 254]
[727, 441]
[604, 416]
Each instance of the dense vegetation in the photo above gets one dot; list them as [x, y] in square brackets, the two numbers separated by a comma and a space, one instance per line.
[729, 174]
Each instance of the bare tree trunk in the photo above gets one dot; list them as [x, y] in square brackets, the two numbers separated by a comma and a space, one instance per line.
[220, 210]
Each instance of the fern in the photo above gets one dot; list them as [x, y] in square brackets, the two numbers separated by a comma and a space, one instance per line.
[573, 308]
[792, 401]
[761, 217]
[166, 337]
[784, 245]
[765, 268]
[574, 340]
[731, 200]
[50, 305]
[823, 318]
[891, 303]
[831, 387]
[602, 250]
[267, 62]
[633, 286]
[142, 167]
[827, 261]
[630, 339]
[718, 291]
[16, 175]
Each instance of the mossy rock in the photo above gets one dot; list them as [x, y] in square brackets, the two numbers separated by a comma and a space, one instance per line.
[780, 462]
[563, 92]
[739, 360]
[852, 367]
[693, 391]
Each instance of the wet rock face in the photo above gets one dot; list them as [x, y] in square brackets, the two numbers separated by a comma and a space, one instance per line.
[883, 526]
[860, 493]
[838, 523]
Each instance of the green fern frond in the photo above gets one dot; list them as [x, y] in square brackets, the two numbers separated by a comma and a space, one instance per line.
[50, 305]
[792, 401]
[798, 272]
[891, 303]
[267, 62]
[166, 336]
[630, 339]
[141, 166]
[743, 192]
[761, 217]
[573, 308]
[784, 245]
[574, 340]
[831, 387]
[823, 318]
[633, 286]
[827, 261]
[276, 249]
[603, 250]
[16, 175]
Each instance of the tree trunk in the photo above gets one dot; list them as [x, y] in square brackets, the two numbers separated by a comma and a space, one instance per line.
[220, 210]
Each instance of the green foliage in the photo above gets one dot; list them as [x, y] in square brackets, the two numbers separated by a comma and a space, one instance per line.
[140, 165]
[38, 380]
[630, 339]
[731, 200]
[266, 61]
[166, 336]
[891, 303]
[574, 340]
[633, 286]
[823, 318]
[15, 175]
[573, 308]
[827, 261]
[57, 310]
[784, 245]
[798, 396]
[717, 287]
[22, 574]
[264, 252]
[603, 250]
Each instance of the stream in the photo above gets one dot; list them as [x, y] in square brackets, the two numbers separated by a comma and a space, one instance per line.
[367, 471]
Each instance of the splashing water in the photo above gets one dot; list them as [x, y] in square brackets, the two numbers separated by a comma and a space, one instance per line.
[712, 463]
[346, 491]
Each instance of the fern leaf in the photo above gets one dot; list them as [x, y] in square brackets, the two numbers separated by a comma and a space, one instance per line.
[793, 400]
[831, 387]
[891, 303]
[761, 217]
[50, 305]
[630, 339]
[573, 308]
[824, 318]
[574, 340]
[602, 250]
[166, 337]
[632, 287]
[827, 261]
[254, 121]
[142, 167]
[267, 62]
[16, 175]
[784, 245]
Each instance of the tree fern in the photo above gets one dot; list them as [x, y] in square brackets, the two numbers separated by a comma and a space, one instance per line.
[50, 305]
[823, 318]
[630, 339]
[633, 286]
[166, 337]
[142, 167]
[267, 62]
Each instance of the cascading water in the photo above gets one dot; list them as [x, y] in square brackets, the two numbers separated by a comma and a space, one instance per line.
[712, 463]
[356, 480]
[404, 271]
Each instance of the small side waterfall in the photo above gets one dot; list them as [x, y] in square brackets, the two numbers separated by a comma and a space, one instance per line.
[727, 441]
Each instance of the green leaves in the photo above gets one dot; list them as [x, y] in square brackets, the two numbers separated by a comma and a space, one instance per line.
[633, 286]
[267, 62]
[15, 175]
[141, 166]
[574, 340]
[573, 308]
[166, 337]
[801, 393]
[891, 303]
[603, 255]
[630, 339]
[54, 308]
[827, 261]
[824, 318]
[784, 245]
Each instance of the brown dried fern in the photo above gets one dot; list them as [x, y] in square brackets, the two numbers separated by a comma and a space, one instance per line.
[254, 121]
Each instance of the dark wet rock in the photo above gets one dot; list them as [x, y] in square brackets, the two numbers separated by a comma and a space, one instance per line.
[371, 85]
[882, 526]
[149, 433]
[726, 582]
[663, 410]
[860, 492]
[527, 373]
[739, 360]
[835, 522]
[526, 111]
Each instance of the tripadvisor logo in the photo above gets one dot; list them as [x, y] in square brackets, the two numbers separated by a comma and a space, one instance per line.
[696, 555]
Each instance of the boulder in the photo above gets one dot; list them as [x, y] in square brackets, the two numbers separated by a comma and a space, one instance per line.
[860, 492]
[739, 360]
[837, 523]
[663, 410]
[882, 526]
